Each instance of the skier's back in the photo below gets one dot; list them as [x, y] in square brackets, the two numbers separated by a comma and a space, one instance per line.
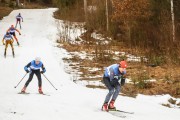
[18, 20]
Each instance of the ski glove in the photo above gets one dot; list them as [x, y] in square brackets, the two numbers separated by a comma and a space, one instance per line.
[117, 78]
[122, 81]
[27, 71]
[42, 72]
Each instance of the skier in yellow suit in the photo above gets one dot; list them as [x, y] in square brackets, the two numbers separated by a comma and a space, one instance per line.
[8, 39]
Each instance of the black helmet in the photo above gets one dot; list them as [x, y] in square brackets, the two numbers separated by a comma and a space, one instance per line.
[7, 33]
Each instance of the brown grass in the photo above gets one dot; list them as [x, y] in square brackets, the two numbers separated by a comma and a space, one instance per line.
[35, 6]
[167, 76]
[73, 13]
[4, 11]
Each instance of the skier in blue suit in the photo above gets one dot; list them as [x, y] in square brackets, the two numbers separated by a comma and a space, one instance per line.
[34, 68]
[114, 78]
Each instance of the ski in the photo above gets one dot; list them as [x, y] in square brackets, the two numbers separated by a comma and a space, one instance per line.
[44, 94]
[32, 93]
[122, 111]
[23, 93]
[115, 113]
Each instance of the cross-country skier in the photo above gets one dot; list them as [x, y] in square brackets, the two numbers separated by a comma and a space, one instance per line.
[8, 39]
[114, 78]
[34, 68]
[18, 20]
[12, 31]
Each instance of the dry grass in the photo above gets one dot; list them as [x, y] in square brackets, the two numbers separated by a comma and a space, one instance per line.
[34, 6]
[167, 76]
[73, 13]
[4, 11]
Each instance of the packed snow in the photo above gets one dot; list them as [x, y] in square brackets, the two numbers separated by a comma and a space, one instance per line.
[71, 101]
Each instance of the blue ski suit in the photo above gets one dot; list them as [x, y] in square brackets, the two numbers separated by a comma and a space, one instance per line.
[113, 79]
[34, 68]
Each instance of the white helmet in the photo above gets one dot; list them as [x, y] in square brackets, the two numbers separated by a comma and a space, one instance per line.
[38, 59]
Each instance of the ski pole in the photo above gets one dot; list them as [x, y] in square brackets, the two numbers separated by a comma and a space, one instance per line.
[49, 82]
[20, 81]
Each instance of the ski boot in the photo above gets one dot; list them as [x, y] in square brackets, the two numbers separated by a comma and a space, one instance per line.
[111, 105]
[5, 54]
[18, 43]
[40, 90]
[105, 107]
[13, 54]
[23, 90]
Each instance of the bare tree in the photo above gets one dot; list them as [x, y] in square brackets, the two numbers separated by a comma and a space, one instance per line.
[85, 9]
[107, 16]
[17, 3]
[173, 24]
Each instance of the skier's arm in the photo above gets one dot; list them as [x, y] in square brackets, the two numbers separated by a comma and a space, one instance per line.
[18, 31]
[123, 78]
[43, 69]
[22, 18]
[8, 30]
[111, 74]
[27, 66]
[3, 40]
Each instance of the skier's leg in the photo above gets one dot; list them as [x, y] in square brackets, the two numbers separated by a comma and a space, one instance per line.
[16, 23]
[12, 48]
[15, 38]
[38, 74]
[14, 35]
[110, 88]
[30, 79]
[5, 49]
[114, 97]
[116, 93]
[20, 24]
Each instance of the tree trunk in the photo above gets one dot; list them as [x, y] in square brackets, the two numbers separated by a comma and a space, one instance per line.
[173, 24]
[85, 10]
[17, 3]
[107, 16]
